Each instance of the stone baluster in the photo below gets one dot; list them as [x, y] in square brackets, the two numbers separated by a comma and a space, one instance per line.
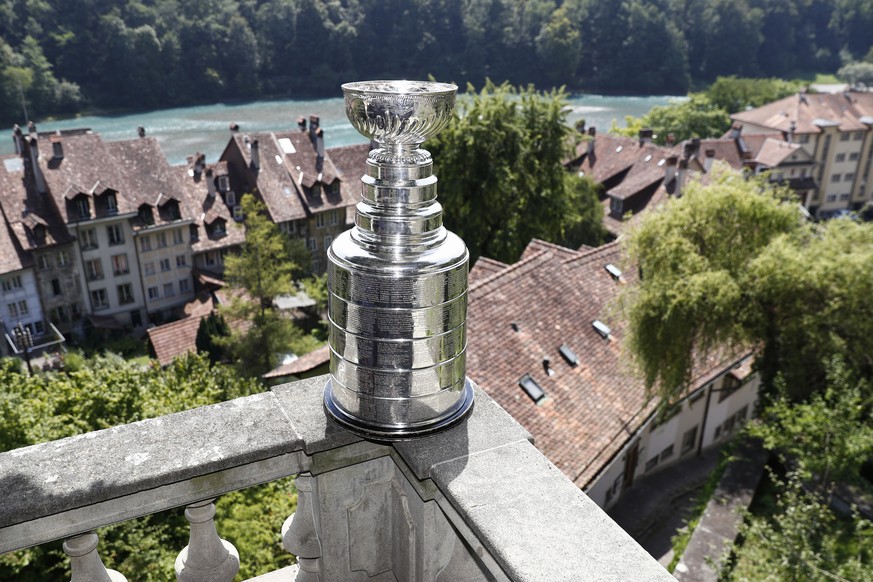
[85, 562]
[300, 530]
[207, 557]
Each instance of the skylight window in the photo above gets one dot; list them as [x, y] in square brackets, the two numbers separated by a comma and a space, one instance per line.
[601, 328]
[647, 158]
[661, 163]
[532, 389]
[614, 271]
[278, 160]
[618, 149]
[569, 355]
[287, 146]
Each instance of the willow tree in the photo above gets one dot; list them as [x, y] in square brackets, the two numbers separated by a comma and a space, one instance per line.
[733, 263]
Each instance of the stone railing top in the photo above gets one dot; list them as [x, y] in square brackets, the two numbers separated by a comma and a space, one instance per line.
[529, 516]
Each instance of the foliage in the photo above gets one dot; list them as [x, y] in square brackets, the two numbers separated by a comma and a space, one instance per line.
[802, 540]
[857, 74]
[501, 175]
[162, 53]
[825, 439]
[694, 254]
[262, 270]
[106, 391]
[707, 114]
[211, 329]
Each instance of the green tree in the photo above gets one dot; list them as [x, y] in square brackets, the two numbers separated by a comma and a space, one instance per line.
[735, 94]
[857, 74]
[733, 264]
[694, 117]
[262, 270]
[209, 336]
[500, 172]
[559, 47]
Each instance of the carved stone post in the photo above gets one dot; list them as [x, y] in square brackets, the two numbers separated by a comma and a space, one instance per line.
[85, 562]
[207, 557]
[300, 530]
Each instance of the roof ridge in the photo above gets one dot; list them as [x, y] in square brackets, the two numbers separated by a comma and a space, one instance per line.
[590, 254]
[515, 268]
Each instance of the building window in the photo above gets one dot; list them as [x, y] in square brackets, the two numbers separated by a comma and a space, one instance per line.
[830, 198]
[312, 244]
[844, 196]
[13, 310]
[168, 290]
[83, 208]
[666, 453]
[119, 264]
[319, 220]
[38, 327]
[145, 243]
[651, 464]
[230, 199]
[115, 234]
[327, 240]
[178, 236]
[238, 213]
[149, 268]
[849, 177]
[688, 440]
[841, 158]
[165, 265]
[729, 385]
[99, 299]
[89, 239]
[858, 135]
[835, 178]
[63, 258]
[45, 262]
[181, 261]
[12, 283]
[223, 183]
[184, 286]
[136, 318]
[56, 287]
[94, 269]
[153, 293]
[162, 239]
[125, 294]
[804, 138]
[853, 157]
[844, 136]
[335, 188]
[210, 258]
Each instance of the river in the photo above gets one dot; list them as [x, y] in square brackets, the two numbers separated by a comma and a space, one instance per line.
[183, 131]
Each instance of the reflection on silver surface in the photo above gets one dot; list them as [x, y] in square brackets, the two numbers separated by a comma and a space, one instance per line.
[397, 281]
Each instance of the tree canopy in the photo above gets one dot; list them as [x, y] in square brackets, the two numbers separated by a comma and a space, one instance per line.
[501, 178]
[105, 391]
[161, 53]
[733, 263]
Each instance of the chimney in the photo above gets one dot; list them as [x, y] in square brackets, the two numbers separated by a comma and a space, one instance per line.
[680, 177]
[140, 131]
[671, 140]
[313, 127]
[319, 143]
[301, 124]
[38, 178]
[646, 136]
[736, 130]
[210, 183]
[57, 146]
[198, 165]
[592, 132]
[670, 169]
[792, 127]
[18, 139]
[31, 127]
[707, 161]
[234, 126]
[256, 155]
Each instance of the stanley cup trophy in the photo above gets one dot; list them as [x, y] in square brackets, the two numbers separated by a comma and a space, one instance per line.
[397, 281]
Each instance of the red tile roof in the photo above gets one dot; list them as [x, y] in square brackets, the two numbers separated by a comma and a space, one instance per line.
[303, 364]
[484, 268]
[806, 111]
[174, 339]
[591, 409]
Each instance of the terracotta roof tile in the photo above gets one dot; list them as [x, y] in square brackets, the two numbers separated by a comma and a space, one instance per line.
[844, 109]
[484, 268]
[591, 409]
[303, 364]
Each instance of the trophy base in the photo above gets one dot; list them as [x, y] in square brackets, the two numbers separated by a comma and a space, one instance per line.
[398, 432]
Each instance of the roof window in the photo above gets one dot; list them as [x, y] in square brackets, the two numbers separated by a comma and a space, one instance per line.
[569, 355]
[647, 158]
[532, 389]
[618, 149]
[601, 328]
[614, 271]
[661, 163]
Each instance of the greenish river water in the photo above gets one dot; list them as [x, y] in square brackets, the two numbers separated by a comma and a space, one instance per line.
[183, 131]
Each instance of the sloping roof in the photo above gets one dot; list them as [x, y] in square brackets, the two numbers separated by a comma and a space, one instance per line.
[809, 110]
[204, 209]
[303, 364]
[484, 268]
[774, 152]
[351, 162]
[590, 410]
[174, 339]
[285, 174]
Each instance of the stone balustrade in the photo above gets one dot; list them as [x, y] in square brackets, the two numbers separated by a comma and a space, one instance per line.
[475, 502]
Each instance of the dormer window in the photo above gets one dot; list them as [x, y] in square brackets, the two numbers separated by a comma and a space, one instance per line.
[217, 228]
[335, 188]
[172, 210]
[223, 183]
[146, 214]
[111, 203]
[39, 233]
[83, 208]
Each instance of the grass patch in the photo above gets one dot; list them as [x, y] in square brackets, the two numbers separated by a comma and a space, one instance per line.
[680, 541]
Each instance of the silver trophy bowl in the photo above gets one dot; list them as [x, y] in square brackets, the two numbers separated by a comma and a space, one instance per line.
[397, 281]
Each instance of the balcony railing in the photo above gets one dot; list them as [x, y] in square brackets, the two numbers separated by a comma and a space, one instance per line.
[476, 502]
